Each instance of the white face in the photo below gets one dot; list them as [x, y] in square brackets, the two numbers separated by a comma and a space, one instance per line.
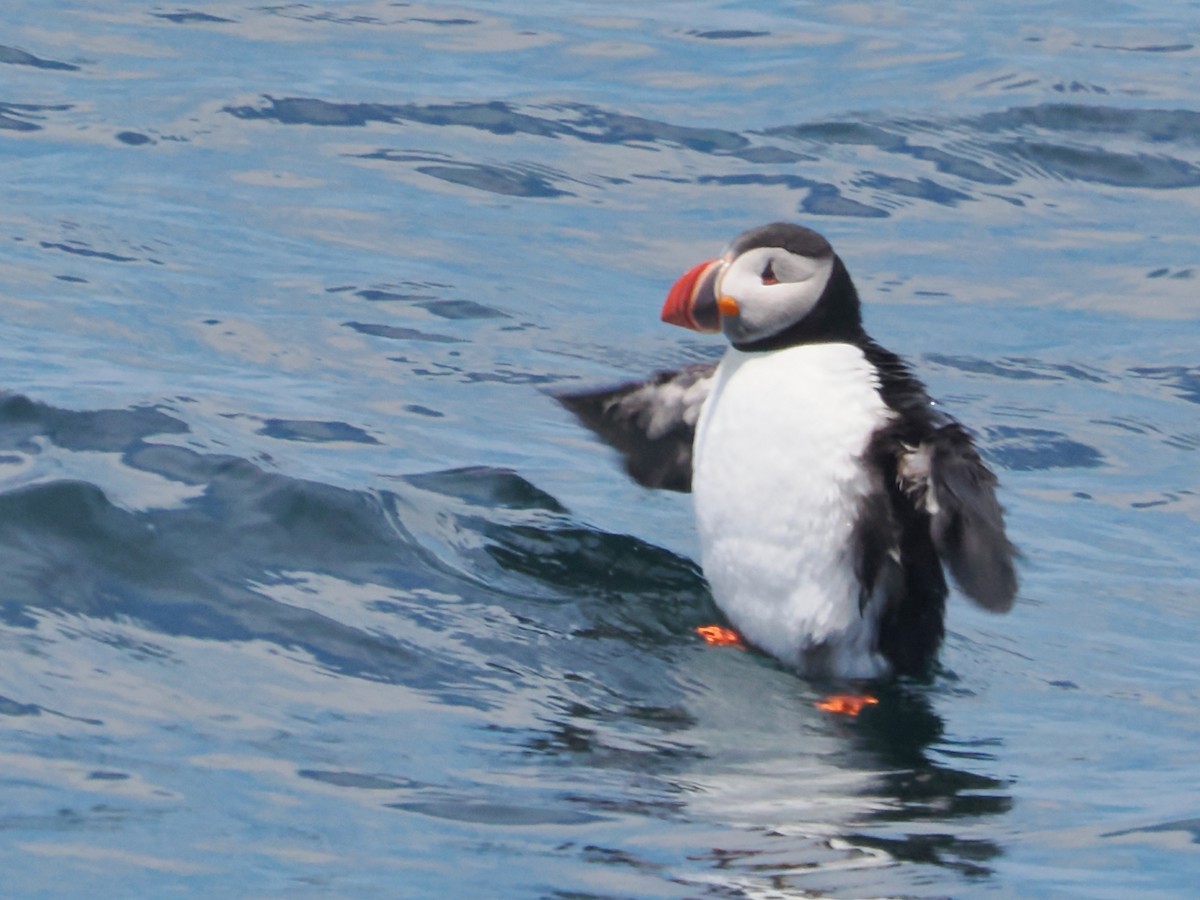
[773, 289]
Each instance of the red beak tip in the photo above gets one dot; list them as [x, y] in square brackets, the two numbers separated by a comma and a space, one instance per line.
[679, 306]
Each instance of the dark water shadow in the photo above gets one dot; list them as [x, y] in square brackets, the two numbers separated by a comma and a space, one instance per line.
[1018, 368]
[308, 431]
[400, 333]
[944, 161]
[15, 56]
[904, 737]
[1056, 140]
[626, 588]
[1183, 381]
[205, 567]
[193, 18]
[1021, 449]
[24, 117]
[891, 138]
[570, 120]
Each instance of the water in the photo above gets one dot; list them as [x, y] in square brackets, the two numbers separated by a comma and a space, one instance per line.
[310, 589]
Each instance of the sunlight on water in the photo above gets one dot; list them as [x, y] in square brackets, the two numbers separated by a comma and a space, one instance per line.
[309, 587]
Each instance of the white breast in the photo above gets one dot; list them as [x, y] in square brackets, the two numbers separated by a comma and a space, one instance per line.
[778, 482]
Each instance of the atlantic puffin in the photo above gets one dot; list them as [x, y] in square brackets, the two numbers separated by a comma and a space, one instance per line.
[829, 489]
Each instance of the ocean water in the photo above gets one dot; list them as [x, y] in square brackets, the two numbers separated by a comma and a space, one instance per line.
[309, 588]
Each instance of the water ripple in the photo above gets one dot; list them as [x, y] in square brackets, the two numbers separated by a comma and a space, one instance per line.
[995, 150]
[440, 535]
[16, 57]
[26, 116]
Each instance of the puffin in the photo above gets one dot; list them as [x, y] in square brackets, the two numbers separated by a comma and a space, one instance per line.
[831, 494]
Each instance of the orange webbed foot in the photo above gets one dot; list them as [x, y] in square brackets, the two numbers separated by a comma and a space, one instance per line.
[720, 636]
[846, 704]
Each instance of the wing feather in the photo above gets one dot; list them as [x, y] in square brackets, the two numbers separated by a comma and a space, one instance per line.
[940, 475]
[651, 423]
[945, 476]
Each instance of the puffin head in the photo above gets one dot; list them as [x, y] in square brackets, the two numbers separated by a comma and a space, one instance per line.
[776, 285]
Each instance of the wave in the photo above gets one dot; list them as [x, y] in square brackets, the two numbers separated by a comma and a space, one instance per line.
[232, 561]
[942, 161]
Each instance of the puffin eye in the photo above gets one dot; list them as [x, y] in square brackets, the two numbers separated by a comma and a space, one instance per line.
[768, 274]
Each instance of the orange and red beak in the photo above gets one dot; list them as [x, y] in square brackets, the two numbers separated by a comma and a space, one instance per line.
[693, 300]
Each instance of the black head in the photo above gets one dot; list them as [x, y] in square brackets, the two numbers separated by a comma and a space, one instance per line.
[775, 286]
[806, 315]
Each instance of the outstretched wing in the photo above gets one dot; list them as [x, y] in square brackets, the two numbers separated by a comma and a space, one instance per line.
[943, 495]
[944, 476]
[652, 423]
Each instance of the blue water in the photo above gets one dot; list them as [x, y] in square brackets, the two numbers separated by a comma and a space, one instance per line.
[308, 588]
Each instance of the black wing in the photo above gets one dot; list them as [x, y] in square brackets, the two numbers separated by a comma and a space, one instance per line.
[935, 505]
[945, 476]
[942, 489]
[652, 423]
